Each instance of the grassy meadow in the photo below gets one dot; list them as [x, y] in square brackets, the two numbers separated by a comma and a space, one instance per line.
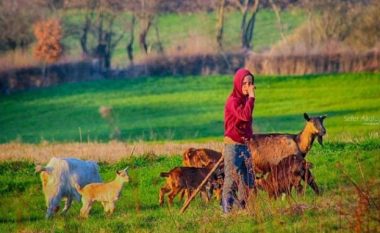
[190, 109]
[341, 207]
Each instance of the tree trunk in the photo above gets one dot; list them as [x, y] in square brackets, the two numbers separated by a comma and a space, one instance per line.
[220, 24]
[100, 29]
[131, 40]
[108, 51]
[145, 26]
[160, 48]
[83, 38]
[85, 30]
[247, 29]
[248, 36]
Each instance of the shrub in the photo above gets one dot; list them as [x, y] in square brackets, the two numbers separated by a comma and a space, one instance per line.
[48, 33]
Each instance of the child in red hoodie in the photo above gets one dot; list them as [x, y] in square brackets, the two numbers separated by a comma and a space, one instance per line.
[239, 174]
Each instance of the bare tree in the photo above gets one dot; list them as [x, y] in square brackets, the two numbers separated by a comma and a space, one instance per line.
[86, 27]
[146, 13]
[108, 42]
[131, 39]
[99, 34]
[145, 24]
[157, 45]
[249, 10]
[220, 23]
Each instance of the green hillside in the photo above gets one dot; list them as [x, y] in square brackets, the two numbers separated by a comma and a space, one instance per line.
[190, 108]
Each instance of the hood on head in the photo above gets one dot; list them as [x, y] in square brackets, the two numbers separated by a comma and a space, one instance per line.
[238, 82]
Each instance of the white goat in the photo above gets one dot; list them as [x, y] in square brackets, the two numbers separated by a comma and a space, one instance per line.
[59, 177]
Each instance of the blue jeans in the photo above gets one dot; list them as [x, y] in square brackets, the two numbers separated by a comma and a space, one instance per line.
[239, 176]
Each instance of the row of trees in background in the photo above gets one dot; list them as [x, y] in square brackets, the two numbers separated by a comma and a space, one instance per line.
[98, 35]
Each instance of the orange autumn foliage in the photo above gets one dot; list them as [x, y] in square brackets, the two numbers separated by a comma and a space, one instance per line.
[48, 47]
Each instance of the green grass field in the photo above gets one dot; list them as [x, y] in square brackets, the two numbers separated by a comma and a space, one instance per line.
[191, 109]
[22, 206]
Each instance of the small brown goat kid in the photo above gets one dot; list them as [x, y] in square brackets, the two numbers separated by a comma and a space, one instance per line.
[286, 175]
[183, 179]
[106, 193]
[203, 157]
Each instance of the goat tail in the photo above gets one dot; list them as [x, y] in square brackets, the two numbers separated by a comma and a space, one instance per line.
[164, 174]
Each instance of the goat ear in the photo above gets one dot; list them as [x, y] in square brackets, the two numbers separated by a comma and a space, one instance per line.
[39, 168]
[118, 172]
[306, 116]
[323, 117]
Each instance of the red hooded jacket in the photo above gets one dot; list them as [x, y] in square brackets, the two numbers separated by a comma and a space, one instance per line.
[238, 111]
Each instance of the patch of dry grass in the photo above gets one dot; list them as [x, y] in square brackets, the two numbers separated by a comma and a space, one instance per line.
[105, 152]
[19, 59]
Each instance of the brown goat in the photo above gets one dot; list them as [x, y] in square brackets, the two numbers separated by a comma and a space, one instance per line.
[269, 149]
[286, 175]
[204, 157]
[183, 179]
[200, 157]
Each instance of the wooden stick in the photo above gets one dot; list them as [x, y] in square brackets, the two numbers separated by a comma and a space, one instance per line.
[187, 203]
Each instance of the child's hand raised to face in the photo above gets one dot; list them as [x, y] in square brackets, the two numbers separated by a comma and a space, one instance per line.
[251, 90]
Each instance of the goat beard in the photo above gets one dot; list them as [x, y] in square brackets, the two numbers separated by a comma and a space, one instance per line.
[320, 140]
